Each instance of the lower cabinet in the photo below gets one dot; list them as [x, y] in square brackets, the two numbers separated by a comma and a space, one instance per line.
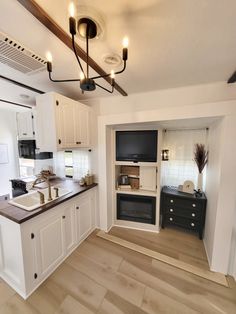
[84, 217]
[46, 240]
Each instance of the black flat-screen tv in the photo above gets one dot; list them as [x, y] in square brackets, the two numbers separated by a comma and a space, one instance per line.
[137, 146]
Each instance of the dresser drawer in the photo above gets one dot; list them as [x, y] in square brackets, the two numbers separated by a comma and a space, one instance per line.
[192, 213]
[183, 203]
[181, 221]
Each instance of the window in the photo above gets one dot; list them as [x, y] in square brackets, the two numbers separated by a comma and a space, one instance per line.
[69, 171]
[76, 163]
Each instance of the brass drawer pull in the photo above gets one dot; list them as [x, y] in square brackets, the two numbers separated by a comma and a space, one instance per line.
[194, 205]
[171, 210]
[171, 219]
[192, 224]
[172, 201]
[193, 215]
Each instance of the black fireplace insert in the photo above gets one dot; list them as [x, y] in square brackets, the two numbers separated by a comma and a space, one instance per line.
[137, 208]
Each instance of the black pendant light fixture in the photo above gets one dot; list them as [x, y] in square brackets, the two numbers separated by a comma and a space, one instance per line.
[87, 30]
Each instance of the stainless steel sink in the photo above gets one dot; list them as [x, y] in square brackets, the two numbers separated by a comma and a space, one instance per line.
[31, 200]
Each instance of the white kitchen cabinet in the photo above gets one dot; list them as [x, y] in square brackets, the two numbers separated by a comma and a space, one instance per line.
[62, 123]
[50, 245]
[69, 225]
[148, 178]
[31, 251]
[85, 216]
[25, 125]
[83, 125]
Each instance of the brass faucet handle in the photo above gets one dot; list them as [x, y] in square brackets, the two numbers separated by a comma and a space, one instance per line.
[56, 191]
[42, 199]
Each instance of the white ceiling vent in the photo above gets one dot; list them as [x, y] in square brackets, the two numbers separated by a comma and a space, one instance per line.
[18, 57]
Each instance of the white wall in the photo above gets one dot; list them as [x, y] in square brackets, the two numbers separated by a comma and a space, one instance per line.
[161, 99]
[226, 196]
[212, 185]
[8, 133]
[174, 105]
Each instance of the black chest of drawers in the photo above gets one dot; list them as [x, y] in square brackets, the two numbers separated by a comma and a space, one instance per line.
[183, 210]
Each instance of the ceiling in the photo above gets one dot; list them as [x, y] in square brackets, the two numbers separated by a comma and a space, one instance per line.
[173, 43]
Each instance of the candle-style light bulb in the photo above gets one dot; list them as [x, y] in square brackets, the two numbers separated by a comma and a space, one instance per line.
[72, 9]
[125, 42]
[112, 74]
[125, 48]
[72, 21]
[49, 61]
[112, 78]
[49, 56]
[82, 77]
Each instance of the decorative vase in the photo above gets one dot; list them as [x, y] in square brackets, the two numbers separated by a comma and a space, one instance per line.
[199, 181]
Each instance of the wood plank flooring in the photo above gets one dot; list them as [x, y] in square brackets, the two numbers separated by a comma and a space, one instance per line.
[105, 278]
[191, 268]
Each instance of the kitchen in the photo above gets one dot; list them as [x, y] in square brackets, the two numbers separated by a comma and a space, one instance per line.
[72, 135]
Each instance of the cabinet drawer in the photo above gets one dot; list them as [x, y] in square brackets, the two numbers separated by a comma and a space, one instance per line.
[183, 203]
[183, 212]
[181, 221]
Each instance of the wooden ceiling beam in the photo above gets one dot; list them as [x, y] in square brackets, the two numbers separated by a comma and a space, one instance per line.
[51, 25]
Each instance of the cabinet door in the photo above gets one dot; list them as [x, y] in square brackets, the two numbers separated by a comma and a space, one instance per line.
[25, 125]
[84, 217]
[50, 244]
[82, 124]
[69, 223]
[65, 120]
[148, 178]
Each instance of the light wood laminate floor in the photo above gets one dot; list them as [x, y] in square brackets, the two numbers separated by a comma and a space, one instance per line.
[174, 242]
[105, 278]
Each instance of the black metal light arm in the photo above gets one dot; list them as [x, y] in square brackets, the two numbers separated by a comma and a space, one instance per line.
[75, 52]
[61, 81]
[109, 74]
[107, 90]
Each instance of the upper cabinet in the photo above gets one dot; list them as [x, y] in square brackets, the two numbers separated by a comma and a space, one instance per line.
[62, 123]
[25, 125]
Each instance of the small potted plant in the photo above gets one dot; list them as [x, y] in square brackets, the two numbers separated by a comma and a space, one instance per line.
[201, 159]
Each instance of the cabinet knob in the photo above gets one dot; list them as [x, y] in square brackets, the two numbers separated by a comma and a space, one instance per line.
[78, 143]
[193, 215]
[194, 205]
[192, 224]
[35, 276]
[171, 210]
[77, 207]
[172, 201]
[63, 217]
[24, 133]
[59, 141]
[171, 219]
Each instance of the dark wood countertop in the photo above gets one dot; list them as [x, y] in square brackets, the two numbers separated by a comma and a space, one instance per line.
[19, 215]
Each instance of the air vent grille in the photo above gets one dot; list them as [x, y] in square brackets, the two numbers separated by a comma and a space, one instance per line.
[19, 57]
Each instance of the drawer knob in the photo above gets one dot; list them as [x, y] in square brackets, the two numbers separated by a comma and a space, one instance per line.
[193, 215]
[172, 201]
[171, 219]
[194, 205]
[171, 210]
[192, 224]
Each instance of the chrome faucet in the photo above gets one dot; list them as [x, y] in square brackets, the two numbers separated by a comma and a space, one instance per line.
[42, 178]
